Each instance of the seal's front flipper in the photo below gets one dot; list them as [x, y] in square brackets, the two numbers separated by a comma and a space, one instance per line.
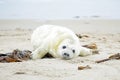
[39, 53]
[85, 51]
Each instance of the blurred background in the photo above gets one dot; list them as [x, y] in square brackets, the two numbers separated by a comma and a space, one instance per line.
[59, 9]
[78, 15]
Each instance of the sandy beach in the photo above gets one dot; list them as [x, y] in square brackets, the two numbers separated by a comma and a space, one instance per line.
[15, 34]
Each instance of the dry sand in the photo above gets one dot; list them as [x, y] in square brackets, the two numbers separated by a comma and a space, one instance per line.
[105, 33]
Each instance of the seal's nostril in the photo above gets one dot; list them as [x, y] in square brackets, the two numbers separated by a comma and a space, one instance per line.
[66, 54]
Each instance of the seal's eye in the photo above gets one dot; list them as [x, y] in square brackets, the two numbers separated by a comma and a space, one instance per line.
[73, 51]
[64, 47]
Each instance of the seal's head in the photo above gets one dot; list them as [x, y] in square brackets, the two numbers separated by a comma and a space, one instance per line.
[67, 51]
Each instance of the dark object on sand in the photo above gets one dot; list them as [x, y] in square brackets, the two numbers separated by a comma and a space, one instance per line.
[84, 67]
[115, 56]
[82, 36]
[20, 73]
[16, 56]
[48, 56]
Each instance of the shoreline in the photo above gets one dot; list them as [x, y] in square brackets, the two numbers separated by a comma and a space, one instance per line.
[86, 25]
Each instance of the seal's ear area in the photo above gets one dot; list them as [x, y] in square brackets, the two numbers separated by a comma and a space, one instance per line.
[57, 42]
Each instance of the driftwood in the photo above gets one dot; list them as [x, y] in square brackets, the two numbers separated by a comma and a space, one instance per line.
[91, 46]
[115, 56]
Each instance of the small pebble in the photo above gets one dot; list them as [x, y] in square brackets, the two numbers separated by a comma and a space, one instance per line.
[84, 67]
[20, 73]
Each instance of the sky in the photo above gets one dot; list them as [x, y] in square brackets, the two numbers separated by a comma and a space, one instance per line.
[58, 9]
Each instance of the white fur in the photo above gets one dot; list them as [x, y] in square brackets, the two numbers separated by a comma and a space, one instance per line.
[51, 39]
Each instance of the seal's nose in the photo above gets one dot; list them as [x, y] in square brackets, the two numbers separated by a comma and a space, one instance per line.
[66, 54]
